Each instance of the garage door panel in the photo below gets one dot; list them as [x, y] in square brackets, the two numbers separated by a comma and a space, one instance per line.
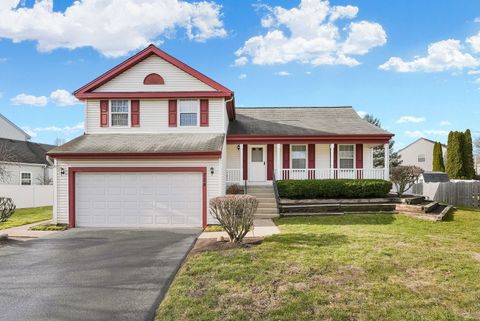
[138, 199]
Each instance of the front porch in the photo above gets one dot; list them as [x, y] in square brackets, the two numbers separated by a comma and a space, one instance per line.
[257, 164]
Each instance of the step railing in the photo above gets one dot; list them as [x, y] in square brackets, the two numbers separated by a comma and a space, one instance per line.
[329, 173]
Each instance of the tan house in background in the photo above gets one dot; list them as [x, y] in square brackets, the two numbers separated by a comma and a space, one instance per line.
[420, 153]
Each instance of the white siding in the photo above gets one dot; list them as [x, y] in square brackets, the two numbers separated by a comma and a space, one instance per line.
[214, 181]
[233, 156]
[154, 119]
[368, 156]
[14, 170]
[7, 130]
[175, 79]
[322, 156]
[410, 154]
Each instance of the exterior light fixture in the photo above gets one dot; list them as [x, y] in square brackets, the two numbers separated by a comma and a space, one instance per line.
[62, 171]
[212, 170]
[238, 147]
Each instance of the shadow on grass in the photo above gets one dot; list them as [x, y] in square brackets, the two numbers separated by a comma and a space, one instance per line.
[347, 219]
[307, 239]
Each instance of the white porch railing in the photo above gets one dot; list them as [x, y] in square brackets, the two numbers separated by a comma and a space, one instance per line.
[234, 175]
[336, 173]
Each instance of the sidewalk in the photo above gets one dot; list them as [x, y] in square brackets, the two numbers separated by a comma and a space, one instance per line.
[23, 232]
[264, 227]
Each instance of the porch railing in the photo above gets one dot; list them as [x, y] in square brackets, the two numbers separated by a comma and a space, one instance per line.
[234, 175]
[327, 173]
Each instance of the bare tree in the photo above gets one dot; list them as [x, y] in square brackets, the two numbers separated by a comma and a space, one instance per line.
[403, 177]
[59, 141]
[44, 180]
[6, 156]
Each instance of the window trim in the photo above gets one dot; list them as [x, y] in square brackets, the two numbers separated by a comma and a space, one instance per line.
[306, 155]
[424, 158]
[31, 179]
[198, 113]
[354, 155]
[129, 120]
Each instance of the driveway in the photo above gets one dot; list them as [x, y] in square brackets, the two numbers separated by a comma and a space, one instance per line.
[90, 274]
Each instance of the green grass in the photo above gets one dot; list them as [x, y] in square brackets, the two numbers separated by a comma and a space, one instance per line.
[214, 228]
[49, 227]
[27, 216]
[351, 267]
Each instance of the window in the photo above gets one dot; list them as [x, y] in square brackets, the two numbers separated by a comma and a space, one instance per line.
[188, 112]
[421, 158]
[119, 113]
[257, 154]
[346, 156]
[299, 156]
[25, 178]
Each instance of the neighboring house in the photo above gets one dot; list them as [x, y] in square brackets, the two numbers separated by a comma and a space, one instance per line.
[476, 160]
[22, 162]
[162, 139]
[420, 153]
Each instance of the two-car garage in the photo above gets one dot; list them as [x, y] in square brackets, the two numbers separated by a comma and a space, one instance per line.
[155, 197]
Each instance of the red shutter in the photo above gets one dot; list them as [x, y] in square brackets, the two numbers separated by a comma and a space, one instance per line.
[245, 162]
[335, 156]
[270, 162]
[172, 113]
[311, 161]
[359, 159]
[286, 159]
[203, 112]
[135, 113]
[103, 113]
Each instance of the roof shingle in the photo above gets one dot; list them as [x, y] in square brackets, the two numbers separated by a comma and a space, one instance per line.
[25, 151]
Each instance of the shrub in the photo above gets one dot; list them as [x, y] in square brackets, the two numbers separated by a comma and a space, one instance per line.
[333, 188]
[235, 214]
[403, 177]
[438, 164]
[7, 208]
[468, 162]
[234, 189]
[455, 167]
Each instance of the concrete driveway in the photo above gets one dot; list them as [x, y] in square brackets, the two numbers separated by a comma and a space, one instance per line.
[90, 274]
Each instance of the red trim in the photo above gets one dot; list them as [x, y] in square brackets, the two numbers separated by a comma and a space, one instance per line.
[153, 95]
[335, 156]
[245, 162]
[135, 113]
[330, 139]
[153, 79]
[73, 170]
[101, 156]
[172, 113]
[311, 160]
[203, 112]
[286, 159]
[270, 162]
[359, 159]
[103, 113]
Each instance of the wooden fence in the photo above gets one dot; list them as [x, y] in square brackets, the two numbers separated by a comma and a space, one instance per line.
[454, 193]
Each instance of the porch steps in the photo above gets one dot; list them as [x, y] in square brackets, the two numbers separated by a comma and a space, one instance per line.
[267, 205]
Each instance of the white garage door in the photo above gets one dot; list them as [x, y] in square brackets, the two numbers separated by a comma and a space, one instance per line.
[138, 199]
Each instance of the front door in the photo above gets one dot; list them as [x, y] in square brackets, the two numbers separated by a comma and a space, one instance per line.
[258, 169]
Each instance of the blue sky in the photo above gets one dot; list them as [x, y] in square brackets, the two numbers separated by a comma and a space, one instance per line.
[271, 53]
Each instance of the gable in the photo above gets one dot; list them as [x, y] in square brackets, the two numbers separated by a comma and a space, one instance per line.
[11, 131]
[175, 79]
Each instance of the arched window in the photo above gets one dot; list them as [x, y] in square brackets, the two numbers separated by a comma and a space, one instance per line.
[153, 79]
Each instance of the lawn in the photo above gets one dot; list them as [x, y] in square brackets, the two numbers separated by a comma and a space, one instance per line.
[352, 267]
[24, 216]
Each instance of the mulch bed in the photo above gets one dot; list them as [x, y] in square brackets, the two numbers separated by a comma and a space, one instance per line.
[203, 245]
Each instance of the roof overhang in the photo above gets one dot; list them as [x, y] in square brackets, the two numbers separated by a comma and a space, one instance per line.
[333, 139]
[118, 156]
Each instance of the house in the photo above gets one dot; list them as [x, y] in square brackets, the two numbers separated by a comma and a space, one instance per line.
[420, 153]
[22, 162]
[161, 139]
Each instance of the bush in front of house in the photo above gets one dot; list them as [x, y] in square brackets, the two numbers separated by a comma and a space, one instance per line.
[235, 214]
[7, 208]
[234, 189]
[333, 188]
[403, 177]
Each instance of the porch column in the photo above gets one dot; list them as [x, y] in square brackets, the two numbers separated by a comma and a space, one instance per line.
[332, 161]
[278, 163]
[386, 151]
[245, 162]
[240, 147]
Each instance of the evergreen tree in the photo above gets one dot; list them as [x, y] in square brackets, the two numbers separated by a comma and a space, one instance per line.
[378, 153]
[455, 154]
[468, 155]
[438, 165]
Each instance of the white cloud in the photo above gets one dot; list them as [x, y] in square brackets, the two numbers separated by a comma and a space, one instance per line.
[410, 119]
[477, 19]
[242, 76]
[414, 133]
[66, 130]
[425, 133]
[436, 132]
[443, 55]
[311, 33]
[283, 73]
[362, 113]
[474, 42]
[445, 123]
[241, 61]
[474, 72]
[112, 27]
[24, 99]
[61, 97]
[2, 60]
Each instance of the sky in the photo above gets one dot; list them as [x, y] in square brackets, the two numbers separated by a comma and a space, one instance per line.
[415, 65]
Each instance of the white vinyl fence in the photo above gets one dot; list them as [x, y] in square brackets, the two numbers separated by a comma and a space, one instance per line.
[454, 193]
[28, 195]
